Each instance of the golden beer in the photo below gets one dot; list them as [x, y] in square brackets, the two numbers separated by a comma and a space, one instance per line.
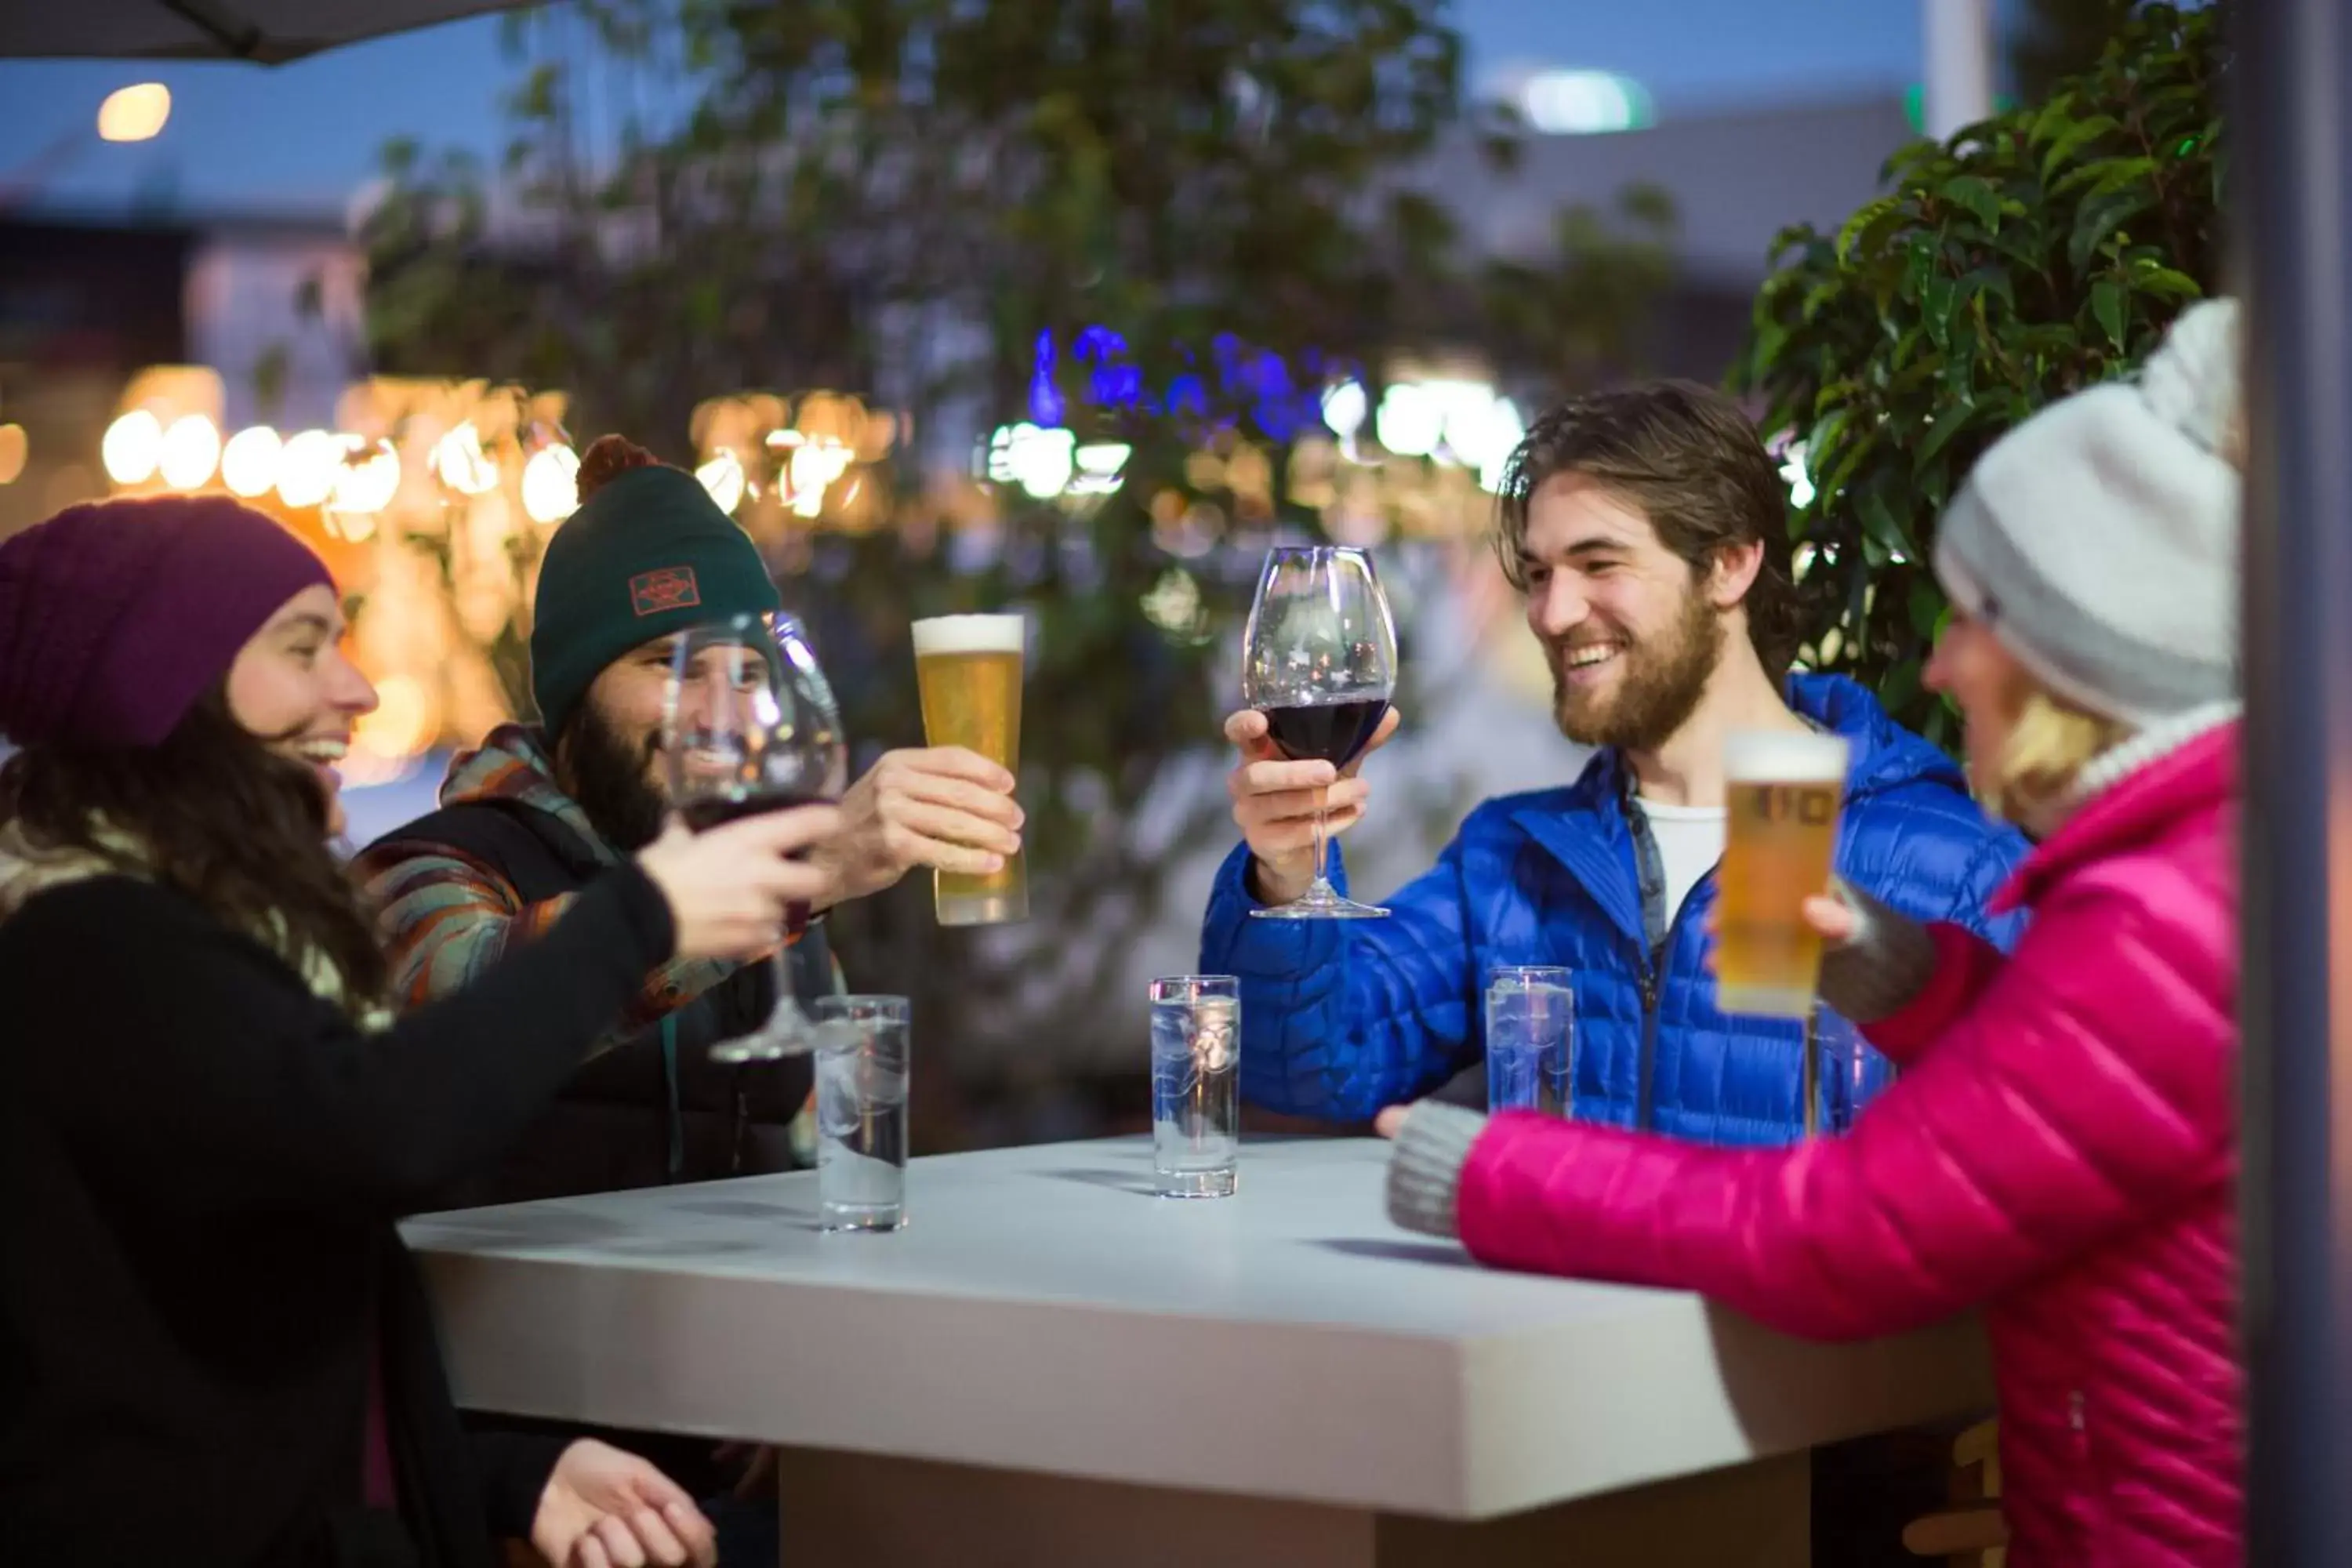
[1781, 794]
[968, 670]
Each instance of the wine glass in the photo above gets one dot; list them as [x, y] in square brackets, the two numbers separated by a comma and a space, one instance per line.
[1319, 661]
[751, 726]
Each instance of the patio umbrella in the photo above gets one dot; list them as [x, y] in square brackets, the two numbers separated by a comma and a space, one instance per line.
[268, 32]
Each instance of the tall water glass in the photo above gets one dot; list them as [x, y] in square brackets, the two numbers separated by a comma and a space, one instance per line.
[861, 1113]
[1530, 1039]
[1196, 1103]
[1845, 1074]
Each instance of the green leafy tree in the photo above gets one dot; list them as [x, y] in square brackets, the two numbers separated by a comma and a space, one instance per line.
[2030, 255]
[2061, 38]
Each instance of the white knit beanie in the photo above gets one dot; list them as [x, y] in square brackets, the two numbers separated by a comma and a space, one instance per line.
[2099, 539]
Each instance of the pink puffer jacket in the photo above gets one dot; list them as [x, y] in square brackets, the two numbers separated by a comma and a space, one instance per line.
[2061, 1150]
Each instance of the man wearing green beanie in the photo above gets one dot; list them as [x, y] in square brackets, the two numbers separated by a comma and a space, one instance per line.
[538, 811]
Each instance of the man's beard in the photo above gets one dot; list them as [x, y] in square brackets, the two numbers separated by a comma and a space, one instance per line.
[1662, 682]
[609, 779]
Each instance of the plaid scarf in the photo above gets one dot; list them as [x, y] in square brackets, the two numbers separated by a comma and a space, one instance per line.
[28, 869]
[446, 920]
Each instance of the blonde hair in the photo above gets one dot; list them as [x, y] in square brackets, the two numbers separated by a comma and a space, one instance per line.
[2051, 741]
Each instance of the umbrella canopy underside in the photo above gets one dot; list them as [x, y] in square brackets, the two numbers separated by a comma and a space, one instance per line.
[268, 32]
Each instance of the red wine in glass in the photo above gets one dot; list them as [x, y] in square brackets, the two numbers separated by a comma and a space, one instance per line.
[1333, 732]
[706, 812]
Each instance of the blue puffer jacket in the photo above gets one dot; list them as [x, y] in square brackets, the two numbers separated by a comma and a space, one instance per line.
[1340, 1018]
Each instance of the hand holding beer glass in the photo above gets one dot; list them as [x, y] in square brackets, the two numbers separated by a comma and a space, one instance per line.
[1782, 793]
[969, 669]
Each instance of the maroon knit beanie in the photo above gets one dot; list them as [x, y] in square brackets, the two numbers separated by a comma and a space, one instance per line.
[116, 616]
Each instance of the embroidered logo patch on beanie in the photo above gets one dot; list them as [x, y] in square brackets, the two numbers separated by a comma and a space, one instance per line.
[670, 588]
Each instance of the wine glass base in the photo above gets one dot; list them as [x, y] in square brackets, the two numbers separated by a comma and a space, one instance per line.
[1320, 909]
[777, 1045]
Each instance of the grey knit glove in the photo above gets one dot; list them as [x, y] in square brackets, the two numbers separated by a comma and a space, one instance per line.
[1887, 961]
[1425, 1171]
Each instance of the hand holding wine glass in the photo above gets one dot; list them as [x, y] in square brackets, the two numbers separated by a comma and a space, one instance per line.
[1275, 800]
[729, 890]
[1319, 666]
[752, 728]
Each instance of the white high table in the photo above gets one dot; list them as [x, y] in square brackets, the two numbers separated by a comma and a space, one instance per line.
[1051, 1367]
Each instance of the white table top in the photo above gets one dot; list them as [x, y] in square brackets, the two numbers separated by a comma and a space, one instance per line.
[1044, 1311]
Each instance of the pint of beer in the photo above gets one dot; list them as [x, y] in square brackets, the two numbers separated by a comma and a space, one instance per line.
[1782, 793]
[968, 670]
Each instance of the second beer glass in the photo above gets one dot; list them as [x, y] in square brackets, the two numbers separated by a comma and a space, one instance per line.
[968, 670]
[1782, 791]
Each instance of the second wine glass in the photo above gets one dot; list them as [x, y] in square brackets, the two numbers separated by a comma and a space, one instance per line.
[751, 726]
[1319, 661]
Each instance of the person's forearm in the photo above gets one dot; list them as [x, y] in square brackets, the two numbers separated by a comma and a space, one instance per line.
[1877, 970]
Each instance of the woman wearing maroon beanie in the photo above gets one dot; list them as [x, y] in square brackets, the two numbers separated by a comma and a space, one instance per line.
[213, 1347]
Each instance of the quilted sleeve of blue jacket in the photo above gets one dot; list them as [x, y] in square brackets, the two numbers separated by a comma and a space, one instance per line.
[1340, 1018]
[1944, 862]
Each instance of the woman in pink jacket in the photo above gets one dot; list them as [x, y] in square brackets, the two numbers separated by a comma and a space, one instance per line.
[2060, 1147]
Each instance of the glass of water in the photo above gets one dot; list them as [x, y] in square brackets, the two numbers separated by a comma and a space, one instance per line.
[1530, 1038]
[861, 1114]
[1847, 1075]
[1196, 1041]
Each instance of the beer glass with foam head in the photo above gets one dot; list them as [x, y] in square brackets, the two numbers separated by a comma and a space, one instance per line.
[1782, 791]
[968, 670]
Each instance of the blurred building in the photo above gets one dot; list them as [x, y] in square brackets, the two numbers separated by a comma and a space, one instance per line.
[1736, 180]
[272, 303]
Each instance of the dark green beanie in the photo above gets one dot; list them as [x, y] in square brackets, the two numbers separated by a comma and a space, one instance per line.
[648, 555]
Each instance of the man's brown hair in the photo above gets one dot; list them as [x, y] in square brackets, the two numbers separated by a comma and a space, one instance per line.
[1687, 456]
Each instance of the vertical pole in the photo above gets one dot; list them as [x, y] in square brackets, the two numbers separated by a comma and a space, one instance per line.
[1958, 36]
[2291, 163]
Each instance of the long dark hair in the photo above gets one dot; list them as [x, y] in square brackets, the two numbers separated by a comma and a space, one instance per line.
[220, 817]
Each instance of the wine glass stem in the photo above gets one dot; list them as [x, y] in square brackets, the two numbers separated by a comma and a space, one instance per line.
[1322, 844]
[786, 1018]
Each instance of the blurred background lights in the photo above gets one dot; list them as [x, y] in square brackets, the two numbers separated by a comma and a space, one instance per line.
[1102, 466]
[134, 113]
[366, 486]
[132, 446]
[248, 464]
[1583, 102]
[1344, 408]
[722, 478]
[1411, 420]
[815, 464]
[463, 466]
[1792, 470]
[551, 484]
[190, 451]
[1039, 461]
[307, 467]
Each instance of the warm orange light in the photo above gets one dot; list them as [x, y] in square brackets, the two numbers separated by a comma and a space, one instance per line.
[134, 113]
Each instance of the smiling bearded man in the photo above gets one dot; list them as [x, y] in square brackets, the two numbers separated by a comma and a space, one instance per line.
[1646, 528]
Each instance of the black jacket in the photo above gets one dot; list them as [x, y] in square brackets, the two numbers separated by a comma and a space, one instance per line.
[655, 1108]
[200, 1167]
